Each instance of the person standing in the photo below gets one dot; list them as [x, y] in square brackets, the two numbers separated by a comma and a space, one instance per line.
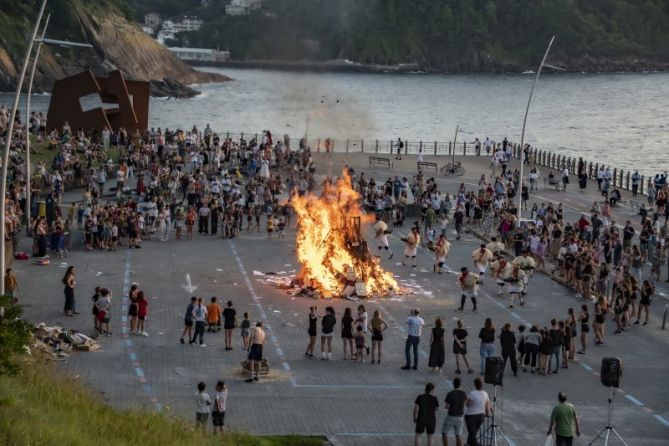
[487, 336]
[507, 340]
[229, 322]
[425, 414]
[202, 403]
[188, 320]
[69, 282]
[477, 408]
[347, 332]
[200, 317]
[460, 346]
[255, 352]
[218, 411]
[455, 405]
[327, 329]
[415, 326]
[557, 338]
[437, 347]
[142, 313]
[565, 422]
[312, 331]
[213, 316]
[11, 285]
[378, 325]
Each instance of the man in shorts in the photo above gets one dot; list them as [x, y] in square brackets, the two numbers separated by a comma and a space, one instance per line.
[188, 320]
[425, 414]
[455, 404]
[202, 403]
[257, 339]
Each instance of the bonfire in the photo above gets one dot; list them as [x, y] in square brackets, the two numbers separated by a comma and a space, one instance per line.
[331, 249]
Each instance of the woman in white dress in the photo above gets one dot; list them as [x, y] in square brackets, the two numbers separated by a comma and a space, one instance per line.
[264, 169]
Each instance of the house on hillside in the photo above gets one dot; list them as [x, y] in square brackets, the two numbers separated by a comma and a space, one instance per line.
[242, 7]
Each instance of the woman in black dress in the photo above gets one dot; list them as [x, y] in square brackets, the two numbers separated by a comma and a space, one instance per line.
[584, 318]
[437, 347]
[460, 346]
[377, 325]
[69, 282]
[347, 332]
[313, 319]
[647, 292]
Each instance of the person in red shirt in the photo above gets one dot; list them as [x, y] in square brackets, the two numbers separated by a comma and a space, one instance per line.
[142, 312]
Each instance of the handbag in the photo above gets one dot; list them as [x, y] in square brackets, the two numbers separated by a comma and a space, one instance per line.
[549, 441]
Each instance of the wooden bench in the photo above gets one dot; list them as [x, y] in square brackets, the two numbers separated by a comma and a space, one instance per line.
[424, 164]
[380, 161]
[554, 183]
[635, 205]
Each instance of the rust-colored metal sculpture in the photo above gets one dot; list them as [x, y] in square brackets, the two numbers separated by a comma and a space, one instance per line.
[132, 98]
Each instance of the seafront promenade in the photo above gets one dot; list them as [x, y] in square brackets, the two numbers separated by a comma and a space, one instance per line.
[351, 403]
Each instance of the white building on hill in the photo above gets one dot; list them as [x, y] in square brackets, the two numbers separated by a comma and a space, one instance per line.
[242, 7]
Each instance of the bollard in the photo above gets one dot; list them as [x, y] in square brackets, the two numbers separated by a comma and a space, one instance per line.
[664, 316]
[347, 146]
[435, 148]
[449, 148]
[376, 149]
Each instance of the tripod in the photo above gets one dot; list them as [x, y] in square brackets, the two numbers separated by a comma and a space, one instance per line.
[609, 427]
[490, 434]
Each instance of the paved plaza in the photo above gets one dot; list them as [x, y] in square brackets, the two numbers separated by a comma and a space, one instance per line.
[350, 403]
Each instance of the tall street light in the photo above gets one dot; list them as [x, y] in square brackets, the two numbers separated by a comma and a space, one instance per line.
[522, 135]
[8, 144]
[41, 41]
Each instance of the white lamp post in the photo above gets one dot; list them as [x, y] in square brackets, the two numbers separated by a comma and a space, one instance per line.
[522, 135]
[41, 41]
[8, 144]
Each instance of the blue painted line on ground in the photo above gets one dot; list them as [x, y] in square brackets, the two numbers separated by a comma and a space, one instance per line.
[128, 343]
[133, 356]
[139, 372]
[586, 366]
[147, 389]
[500, 304]
[661, 419]
[634, 401]
[286, 367]
[279, 352]
[124, 318]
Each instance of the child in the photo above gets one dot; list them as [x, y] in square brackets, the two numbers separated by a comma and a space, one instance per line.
[270, 225]
[245, 326]
[95, 298]
[218, 412]
[359, 339]
[142, 313]
[282, 226]
[213, 316]
[443, 223]
[202, 403]
[104, 316]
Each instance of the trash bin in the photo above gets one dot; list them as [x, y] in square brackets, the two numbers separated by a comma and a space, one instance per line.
[41, 208]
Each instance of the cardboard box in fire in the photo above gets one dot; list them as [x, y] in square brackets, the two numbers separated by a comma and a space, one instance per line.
[264, 367]
[59, 341]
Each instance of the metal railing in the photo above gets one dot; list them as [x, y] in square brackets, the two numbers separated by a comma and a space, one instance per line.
[619, 178]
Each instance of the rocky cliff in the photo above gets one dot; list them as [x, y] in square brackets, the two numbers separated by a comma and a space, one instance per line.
[118, 43]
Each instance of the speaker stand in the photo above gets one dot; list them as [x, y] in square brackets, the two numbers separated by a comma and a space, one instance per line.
[606, 431]
[490, 434]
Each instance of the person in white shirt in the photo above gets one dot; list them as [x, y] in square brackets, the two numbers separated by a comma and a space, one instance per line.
[381, 235]
[414, 328]
[200, 318]
[218, 411]
[477, 407]
[202, 403]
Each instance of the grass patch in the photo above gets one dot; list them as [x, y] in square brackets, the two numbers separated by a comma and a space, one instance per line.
[39, 407]
[39, 151]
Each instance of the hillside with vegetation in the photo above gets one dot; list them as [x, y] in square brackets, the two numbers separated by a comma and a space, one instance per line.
[118, 43]
[439, 35]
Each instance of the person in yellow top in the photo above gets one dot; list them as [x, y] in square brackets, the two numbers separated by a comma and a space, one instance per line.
[525, 261]
[11, 284]
[481, 257]
[441, 249]
[270, 225]
[411, 243]
[214, 316]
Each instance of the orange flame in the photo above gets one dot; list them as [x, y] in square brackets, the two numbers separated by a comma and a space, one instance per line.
[330, 243]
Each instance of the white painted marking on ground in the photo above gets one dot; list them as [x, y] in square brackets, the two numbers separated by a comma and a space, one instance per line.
[189, 287]
[634, 401]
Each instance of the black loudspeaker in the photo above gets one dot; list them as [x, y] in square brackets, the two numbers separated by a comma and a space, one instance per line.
[494, 370]
[612, 371]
